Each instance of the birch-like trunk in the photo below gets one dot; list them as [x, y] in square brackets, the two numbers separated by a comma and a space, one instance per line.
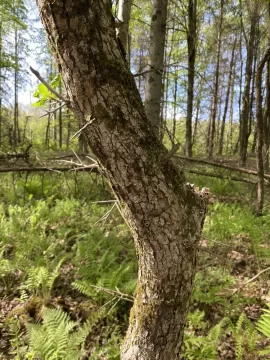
[165, 215]
[123, 15]
[153, 92]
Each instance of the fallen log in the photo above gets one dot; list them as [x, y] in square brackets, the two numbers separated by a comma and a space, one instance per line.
[218, 176]
[91, 168]
[224, 166]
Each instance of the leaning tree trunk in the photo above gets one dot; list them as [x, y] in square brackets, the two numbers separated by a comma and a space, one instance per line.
[153, 92]
[165, 215]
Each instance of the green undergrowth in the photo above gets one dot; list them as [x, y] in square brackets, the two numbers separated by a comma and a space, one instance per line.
[62, 246]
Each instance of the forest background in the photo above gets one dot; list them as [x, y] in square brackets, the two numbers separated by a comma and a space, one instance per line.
[67, 259]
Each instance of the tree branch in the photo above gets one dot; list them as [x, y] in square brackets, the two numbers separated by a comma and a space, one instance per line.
[48, 86]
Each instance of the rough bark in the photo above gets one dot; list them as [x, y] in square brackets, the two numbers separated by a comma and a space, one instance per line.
[153, 92]
[165, 215]
[191, 41]
[260, 135]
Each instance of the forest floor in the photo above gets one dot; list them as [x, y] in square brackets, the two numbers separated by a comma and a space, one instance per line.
[66, 249]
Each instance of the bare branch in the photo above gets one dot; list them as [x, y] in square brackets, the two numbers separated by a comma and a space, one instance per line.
[48, 86]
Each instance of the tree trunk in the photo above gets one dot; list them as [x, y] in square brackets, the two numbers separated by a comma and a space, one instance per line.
[244, 119]
[16, 103]
[230, 81]
[165, 215]
[266, 120]
[153, 92]
[212, 125]
[191, 41]
[260, 136]
[124, 10]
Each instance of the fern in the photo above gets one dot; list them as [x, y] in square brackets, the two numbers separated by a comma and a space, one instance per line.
[58, 338]
[40, 280]
[263, 326]
[245, 335]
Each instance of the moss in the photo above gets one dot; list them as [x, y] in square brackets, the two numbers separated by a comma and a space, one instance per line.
[142, 313]
[31, 309]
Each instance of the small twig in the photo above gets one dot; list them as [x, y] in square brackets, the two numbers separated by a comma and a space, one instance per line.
[52, 111]
[105, 216]
[114, 292]
[78, 133]
[103, 202]
[170, 154]
[48, 86]
[77, 157]
[249, 281]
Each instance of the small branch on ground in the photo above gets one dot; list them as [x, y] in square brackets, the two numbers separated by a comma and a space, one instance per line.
[249, 281]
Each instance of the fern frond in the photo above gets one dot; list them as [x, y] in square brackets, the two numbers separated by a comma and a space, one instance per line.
[263, 325]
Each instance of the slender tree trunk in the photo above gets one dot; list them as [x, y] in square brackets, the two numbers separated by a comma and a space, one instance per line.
[1, 90]
[16, 104]
[175, 93]
[243, 136]
[124, 11]
[266, 120]
[164, 214]
[260, 135]
[191, 42]
[230, 80]
[153, 94]
[266, 130]
[60, 121]
[212, 126]
[230, 131]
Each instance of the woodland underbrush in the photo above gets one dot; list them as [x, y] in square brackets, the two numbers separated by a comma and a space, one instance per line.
[68, 272]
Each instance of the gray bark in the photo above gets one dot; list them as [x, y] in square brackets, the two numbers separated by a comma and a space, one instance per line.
[212, 125]
[153, 92]
[124, 11]
[260, 135]
[165, 215]
[191, 41]
[244, 118]
[230, 81]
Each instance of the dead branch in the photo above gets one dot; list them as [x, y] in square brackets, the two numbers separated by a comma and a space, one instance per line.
[91, 168]
[218, 176]
[224, 166]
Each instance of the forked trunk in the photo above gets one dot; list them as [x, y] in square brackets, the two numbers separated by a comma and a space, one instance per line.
[165, 215]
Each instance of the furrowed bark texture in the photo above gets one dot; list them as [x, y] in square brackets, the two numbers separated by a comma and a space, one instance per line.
[164, 214]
